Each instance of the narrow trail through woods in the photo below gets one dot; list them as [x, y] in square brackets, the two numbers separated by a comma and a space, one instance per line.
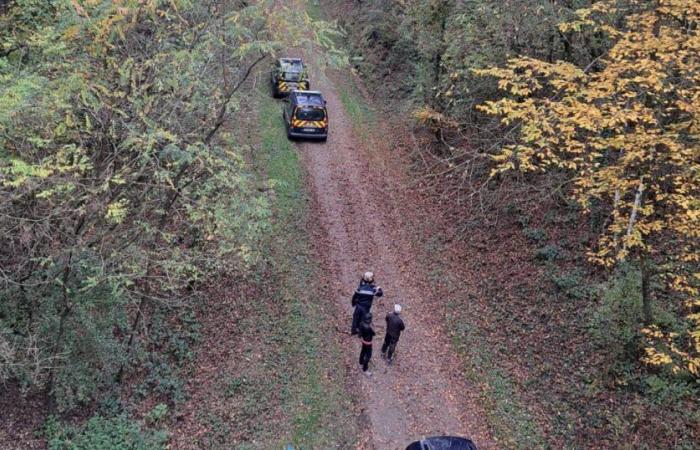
[358, 203]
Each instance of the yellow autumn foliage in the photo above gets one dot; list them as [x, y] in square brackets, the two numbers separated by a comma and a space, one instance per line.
[429, 117]
[628, 128]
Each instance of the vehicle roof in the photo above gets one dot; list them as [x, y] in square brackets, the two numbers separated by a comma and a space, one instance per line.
[312, 98]
[288, 64]
[442, 443]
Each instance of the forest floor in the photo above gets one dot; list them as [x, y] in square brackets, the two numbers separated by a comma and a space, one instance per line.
[503, 274]
[280, 366]
[362, 214]
[358, 217]
[361, 197]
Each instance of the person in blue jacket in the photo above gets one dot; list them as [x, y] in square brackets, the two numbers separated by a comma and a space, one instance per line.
[362, 299]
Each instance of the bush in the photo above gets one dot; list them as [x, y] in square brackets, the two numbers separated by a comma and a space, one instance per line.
[662, 391]
[572, 284]
[157, 414]
[535, 235]
[548, 253]
[117, 433]
[615, 324]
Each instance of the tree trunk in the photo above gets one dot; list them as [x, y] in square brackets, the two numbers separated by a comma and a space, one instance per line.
[443, 12]
[646, 291]
[66, 309]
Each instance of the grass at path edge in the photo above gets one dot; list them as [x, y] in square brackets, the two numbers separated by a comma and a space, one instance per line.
[508, 418]
[319, 409]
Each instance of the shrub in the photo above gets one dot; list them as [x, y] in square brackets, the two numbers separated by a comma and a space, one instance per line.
[663, 391]
[156, 414]
[118, 433]
[572, 284]
[535, 235]
[548, 253]
[615, 324]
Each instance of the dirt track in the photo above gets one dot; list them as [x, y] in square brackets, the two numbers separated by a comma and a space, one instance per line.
[360, 204]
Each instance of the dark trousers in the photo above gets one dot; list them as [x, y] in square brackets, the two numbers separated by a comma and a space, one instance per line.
[357, 317]
[389, 346]
[365, 356]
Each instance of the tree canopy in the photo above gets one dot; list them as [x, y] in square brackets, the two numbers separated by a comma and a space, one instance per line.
[627, 126]
[121, 190]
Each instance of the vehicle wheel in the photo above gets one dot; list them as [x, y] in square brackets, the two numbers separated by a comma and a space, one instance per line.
[289, 134]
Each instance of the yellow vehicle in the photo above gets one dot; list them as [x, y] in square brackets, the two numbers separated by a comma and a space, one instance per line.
[287, 75]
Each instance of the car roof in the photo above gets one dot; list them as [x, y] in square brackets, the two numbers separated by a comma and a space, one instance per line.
[312, 98]
[443, 443]
[291, 63]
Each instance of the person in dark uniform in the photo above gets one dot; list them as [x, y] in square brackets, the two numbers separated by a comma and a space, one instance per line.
[394, 327]
[362, 299]
[366, 335]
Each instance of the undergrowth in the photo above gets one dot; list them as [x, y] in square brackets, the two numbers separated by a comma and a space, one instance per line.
[99, 432]
[360, 114]
[508, 418]
[318, 407]
[290, 386]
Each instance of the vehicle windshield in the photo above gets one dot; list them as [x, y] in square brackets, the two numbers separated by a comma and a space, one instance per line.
[291, 76]
[310, 113]
[291, 66]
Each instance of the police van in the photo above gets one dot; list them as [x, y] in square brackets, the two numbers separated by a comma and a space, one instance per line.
[305, 115]
[288, 74]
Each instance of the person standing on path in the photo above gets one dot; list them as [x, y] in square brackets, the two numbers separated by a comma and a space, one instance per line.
[394, 327]
[366, 335]
[362, 299]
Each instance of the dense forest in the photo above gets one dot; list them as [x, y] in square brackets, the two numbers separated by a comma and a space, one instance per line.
[561, 137]
[577, 121]
[124, 192]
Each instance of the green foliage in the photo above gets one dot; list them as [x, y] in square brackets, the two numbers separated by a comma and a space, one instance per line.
[573, 284]
[664, 391]
[535, 235]
[548, 253]
[616, 321]
[118, 433]
[428, 48]
[156, 414]
[122, 192]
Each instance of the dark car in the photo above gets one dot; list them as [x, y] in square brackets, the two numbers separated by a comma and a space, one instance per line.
[305, 115]
[443, 443]
[287, 75]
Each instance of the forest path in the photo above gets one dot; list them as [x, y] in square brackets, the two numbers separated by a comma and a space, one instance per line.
[360, 198]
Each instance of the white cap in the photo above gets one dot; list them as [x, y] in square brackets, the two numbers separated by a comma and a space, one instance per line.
[368, 276]
[397, 308]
